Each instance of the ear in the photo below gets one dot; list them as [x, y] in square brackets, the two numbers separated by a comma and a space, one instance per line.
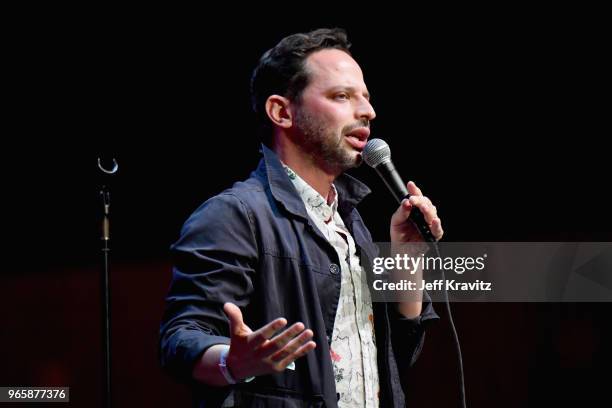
[278, 110]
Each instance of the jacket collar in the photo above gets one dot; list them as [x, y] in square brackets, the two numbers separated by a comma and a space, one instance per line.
[350, 190]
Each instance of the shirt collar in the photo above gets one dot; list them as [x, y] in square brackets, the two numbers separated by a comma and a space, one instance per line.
[350, 190]
[314, 202]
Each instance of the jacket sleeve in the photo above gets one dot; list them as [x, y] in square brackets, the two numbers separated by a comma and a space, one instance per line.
[214, 262]
[408, 335]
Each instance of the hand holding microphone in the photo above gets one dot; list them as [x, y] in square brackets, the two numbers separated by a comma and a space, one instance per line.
[417, 207]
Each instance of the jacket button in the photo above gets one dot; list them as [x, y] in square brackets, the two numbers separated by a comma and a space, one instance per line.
[334, 269]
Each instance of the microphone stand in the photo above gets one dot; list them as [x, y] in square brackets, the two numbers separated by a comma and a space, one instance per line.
[106, 319]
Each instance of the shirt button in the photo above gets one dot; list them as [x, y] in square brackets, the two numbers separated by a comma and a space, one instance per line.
[334, 269]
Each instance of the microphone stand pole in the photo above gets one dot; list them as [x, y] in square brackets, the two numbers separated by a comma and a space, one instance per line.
[106, 310]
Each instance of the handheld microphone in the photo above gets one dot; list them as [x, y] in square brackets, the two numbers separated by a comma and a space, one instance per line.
[377, 154]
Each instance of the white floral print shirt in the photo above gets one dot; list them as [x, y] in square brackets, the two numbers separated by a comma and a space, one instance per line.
[353, 346]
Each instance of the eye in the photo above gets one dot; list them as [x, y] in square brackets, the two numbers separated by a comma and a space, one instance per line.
[342, 96]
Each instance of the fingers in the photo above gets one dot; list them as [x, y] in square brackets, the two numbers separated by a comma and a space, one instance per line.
[262, 335]
[292, 346]
[427, 208]
[403, 212]
[294, 349]
[413, 190]
[300, 352]
[285, 347]
[424, 204]
[280, 341]
[436, 228]
[237, 326]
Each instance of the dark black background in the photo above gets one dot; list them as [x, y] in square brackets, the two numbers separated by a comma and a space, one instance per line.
[503, 125]
[501, 120]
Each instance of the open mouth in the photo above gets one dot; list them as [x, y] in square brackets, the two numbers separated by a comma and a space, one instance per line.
[358, 137]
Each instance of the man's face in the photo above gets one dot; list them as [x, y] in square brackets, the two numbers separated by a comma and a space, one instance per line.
[332, 117]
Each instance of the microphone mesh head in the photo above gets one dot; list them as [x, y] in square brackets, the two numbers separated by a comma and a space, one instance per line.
[376, 152]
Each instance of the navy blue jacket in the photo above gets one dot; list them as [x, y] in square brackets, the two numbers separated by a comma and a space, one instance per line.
[254, 245]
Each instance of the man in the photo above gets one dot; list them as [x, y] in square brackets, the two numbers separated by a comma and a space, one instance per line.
[266, 306]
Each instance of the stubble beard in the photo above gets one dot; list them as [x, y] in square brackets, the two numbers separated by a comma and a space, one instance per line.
[326, 147]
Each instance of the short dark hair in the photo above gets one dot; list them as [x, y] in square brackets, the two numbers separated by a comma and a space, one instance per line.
[282, 71]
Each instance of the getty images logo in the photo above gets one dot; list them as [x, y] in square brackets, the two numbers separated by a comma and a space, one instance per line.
[412, 264]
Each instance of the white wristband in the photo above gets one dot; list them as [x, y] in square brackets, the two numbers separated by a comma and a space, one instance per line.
[225, 371]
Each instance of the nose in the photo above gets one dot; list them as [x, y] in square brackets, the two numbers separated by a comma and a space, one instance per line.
[365, 110]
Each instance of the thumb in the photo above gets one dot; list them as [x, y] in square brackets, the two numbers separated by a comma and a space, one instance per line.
[235, 319]
[402, 213]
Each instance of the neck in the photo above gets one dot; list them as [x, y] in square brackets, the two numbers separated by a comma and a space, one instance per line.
[305, 166]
